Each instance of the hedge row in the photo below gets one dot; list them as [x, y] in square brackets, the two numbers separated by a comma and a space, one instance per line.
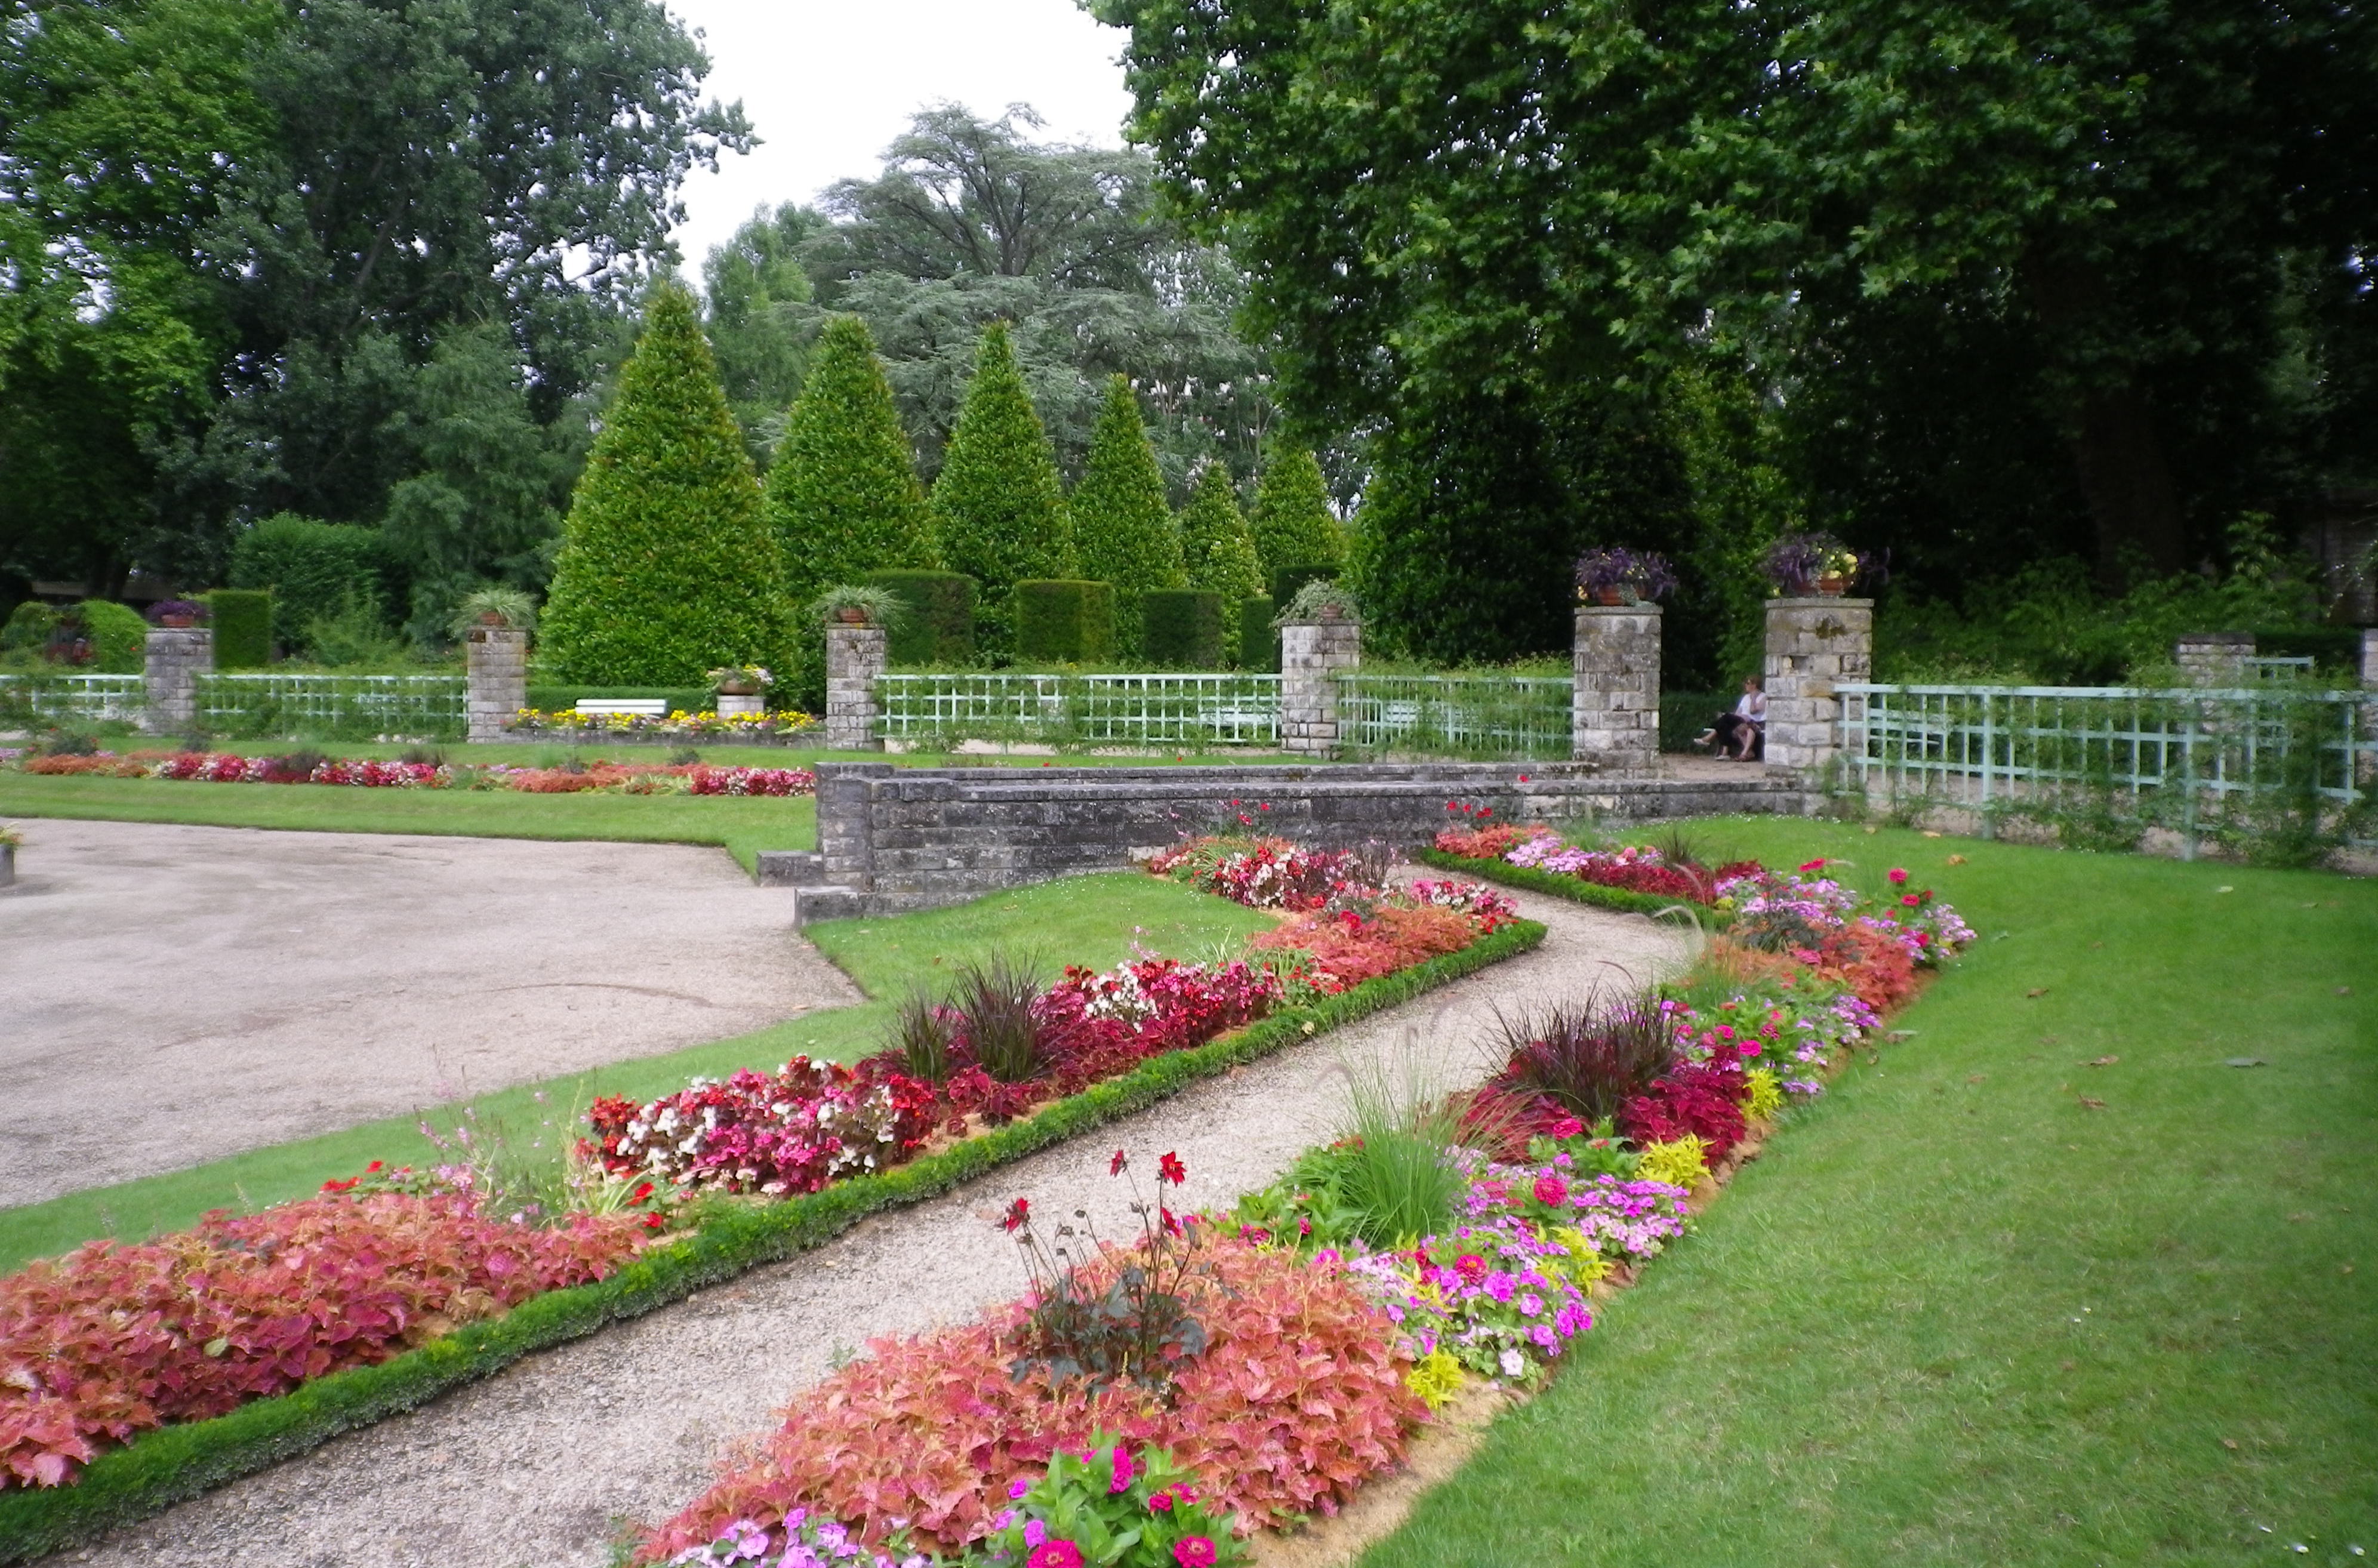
[1064, 621]
[1182, 628]
[166, 1466]
[939, 627]
[1576, 890]
[243, 621]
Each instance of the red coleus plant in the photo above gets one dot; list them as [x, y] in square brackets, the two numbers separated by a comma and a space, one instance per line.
[111, 1340]
[1349, 950]
[1298, 1396]
[1701, 1098]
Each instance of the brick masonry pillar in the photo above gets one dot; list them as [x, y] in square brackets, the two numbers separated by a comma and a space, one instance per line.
[175, 658]
[2213, 658]
[1813, 645]
[1312, 655]
[855, 660]
[496, 664]
[1615, 705]
[2370, 709]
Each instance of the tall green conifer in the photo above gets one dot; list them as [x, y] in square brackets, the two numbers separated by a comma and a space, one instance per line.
[1291, 522]
[1124, 532]
[999, 505]
[842, 497]
[1216, 547]
[667, 568]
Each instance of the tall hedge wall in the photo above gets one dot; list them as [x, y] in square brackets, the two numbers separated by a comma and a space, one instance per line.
[1063, 621]
[119, 638]
[1183, 628]
[316, 570]
[242, 623]
[1258, 639]
[940, 625]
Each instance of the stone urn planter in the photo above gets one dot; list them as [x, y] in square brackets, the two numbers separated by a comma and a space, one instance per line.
[1833, 585]
[735, 704]
[851, 614]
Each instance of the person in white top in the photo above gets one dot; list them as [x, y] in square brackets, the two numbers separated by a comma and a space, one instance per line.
[1737, 734]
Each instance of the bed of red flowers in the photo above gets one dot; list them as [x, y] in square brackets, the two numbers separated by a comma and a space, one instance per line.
[623, 778]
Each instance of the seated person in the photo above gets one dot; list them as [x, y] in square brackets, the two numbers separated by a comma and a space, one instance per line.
[1742, 734]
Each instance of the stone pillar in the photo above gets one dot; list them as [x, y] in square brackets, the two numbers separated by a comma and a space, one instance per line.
[855, 660]
[2370, 657]
[496, 660]
[1312, 654]
[2369, 769]
[1813, 645]
[176, 657]
[2213, 658]
[1615, 705]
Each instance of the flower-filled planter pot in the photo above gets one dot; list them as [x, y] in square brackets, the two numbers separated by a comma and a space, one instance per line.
[1612, 598]
[1833, 585]
[177, 623]
[738, 688]
[851, 614]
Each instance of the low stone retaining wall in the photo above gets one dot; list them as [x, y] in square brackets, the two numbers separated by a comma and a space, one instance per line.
[897, 839]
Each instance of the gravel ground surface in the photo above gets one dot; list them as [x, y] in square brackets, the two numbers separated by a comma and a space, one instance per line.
[543, 1464]
[223, 988]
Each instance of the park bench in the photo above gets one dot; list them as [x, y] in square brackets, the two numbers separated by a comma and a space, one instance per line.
[636, 707]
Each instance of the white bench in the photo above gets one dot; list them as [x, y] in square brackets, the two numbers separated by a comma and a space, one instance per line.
[635, 707]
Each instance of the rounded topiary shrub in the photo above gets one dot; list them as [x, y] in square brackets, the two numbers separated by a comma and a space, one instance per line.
[1063, 621]
[939, 627]
[998, 505]
[242, 623]
[668, 568]
[119, 638]
[1183, 628]
[843, 495]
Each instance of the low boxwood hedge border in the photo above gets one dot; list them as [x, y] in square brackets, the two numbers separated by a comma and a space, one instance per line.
[1576, 890]
[166, 1466]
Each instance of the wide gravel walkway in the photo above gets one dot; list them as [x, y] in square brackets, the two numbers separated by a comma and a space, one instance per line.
[172, 995]
[543, 1464]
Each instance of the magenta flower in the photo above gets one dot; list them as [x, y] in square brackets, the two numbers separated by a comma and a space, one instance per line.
[1190, 1552]
[1061, 1554]
[1123, 1470]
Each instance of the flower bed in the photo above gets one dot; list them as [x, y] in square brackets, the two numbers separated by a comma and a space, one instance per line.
[618, 778]
[111, 1340]
[1321, 1345]
[531, 723]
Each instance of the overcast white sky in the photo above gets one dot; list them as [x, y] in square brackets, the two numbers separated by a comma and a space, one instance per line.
[829, 83]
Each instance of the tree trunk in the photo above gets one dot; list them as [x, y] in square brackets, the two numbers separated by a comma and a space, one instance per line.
[2116, 451]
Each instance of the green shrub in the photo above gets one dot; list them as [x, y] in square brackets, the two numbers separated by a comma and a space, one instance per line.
[29, 626]
[939, 628]
[119, 638]
[2332, 648]
[1291, 523]
[998, 506]
[315, 570]
[843, 495]
[1214, 543]
[668, 568]
[243, 622]
[1287, 580]
[558, 698]
[1124, 532]
[1063, 621]
[1258, 639]
[1184, 628]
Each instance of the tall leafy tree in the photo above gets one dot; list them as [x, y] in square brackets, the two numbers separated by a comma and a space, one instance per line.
[1123, 531]
[998, 506]
[754, 286]
[668, 568]
[1214, 543]
[1291, 522]
[843, 498]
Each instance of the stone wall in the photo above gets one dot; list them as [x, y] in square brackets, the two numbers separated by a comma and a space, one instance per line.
[495, 665]
[1813, 645]
[1615, 709]
[856, 657]
[895, 839]
[2213, 658]
[1312, 655]
[174, 658]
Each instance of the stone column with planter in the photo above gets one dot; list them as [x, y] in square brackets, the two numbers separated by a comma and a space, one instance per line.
[1312, 655]
[1813, 646]
[2213, 658]
[1615, 704]
[495, 661]
[739, 702]
[175, 657]
[856, 657]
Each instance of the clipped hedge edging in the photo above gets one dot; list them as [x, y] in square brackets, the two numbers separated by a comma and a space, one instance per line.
[1576, 890]
[171, 1464]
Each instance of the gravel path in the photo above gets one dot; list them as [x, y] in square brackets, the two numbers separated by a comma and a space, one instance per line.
[541, 1465]
[225, 988]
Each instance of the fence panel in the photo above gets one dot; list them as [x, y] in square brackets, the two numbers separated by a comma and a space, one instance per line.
[1120, 710]
[338, 706]
[1985, 745]
[88, 698]
[1492, 718]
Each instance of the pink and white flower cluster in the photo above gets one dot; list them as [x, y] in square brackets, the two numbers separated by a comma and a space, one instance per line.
[1489, 908]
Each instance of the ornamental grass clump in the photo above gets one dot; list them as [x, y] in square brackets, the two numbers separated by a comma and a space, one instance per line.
[993, 1000]
[1590, 1057]
[1397, 1177]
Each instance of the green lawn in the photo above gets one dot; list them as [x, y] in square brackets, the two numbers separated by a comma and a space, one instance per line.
[1089, 920]
[1957, 1314]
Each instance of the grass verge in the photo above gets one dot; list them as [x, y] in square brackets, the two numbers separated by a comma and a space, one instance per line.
[2051, 1281]
[164, 1467]
[1086, 920]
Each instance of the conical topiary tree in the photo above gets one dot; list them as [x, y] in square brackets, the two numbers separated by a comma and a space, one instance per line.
[667, 566]
[999, 505]
[1291, 523]
[842, 497]
[1215, 546]
[1123, 531]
